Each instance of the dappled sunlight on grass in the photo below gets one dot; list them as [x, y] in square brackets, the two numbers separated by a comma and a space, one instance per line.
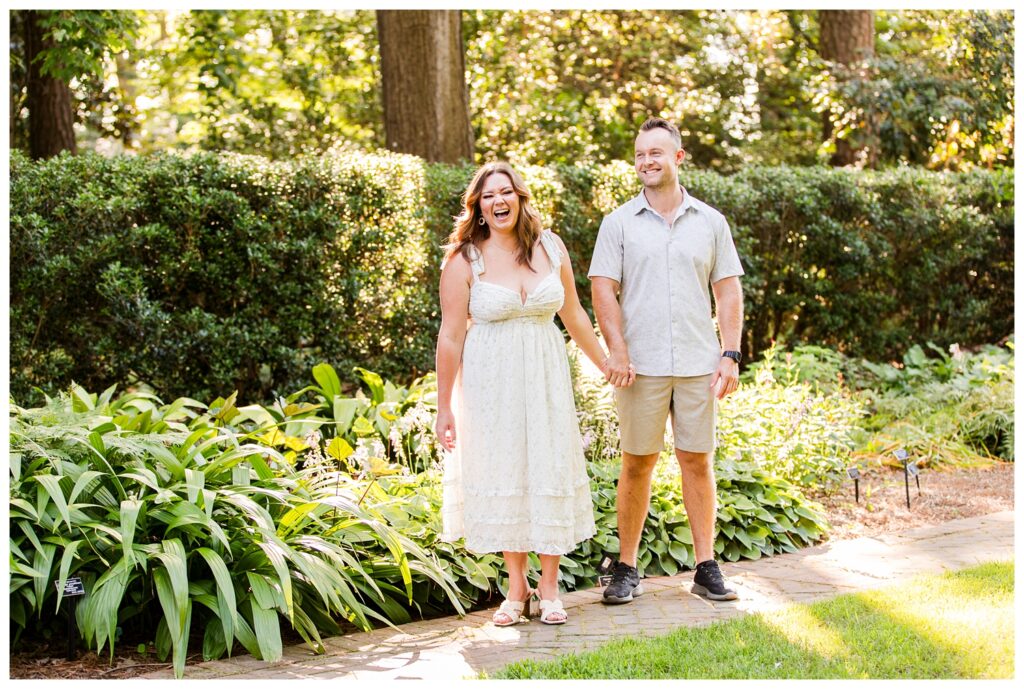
[956, 625]
[803, 629]
[979, 638]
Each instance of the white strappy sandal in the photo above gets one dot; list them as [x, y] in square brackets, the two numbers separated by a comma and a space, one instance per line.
[550, 608]
[512, 611]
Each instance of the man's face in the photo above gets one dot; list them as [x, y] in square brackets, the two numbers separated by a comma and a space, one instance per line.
[657, 158]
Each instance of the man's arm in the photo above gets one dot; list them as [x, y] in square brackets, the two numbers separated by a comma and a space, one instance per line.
[609, 318]
[729, 307]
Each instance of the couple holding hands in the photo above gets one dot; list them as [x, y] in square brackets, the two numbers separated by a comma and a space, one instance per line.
[515, 478]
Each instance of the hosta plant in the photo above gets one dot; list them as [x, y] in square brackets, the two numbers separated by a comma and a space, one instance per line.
[176, 522]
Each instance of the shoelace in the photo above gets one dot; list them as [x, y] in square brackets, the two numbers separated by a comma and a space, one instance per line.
[621, 571]
[714, 574]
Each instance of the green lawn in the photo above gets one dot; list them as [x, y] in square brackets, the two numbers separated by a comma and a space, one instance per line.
[955, 625]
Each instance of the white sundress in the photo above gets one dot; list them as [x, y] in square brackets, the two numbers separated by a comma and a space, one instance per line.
[517, 479]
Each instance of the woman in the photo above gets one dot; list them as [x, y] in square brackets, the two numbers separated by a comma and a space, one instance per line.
[515, 478]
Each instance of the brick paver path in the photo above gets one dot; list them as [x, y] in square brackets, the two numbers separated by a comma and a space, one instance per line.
[454, 648]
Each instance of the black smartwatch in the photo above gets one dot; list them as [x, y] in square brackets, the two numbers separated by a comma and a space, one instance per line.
[735, 356]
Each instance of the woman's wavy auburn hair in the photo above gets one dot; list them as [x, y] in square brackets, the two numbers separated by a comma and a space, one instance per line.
[467, 230]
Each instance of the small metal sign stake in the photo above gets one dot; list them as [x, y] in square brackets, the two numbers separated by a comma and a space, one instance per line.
[854, 473]
[603, 569]
[73, 588]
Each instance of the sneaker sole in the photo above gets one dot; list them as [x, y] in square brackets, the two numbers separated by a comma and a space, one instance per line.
[703, 591]
[638, 590]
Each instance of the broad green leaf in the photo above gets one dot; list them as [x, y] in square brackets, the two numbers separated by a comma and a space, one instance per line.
[325, 375]
[163, 642]
[267, 628]
[344, 412]
[363, 428]
[374, 382]
[225, 411]
[339, 449]
[683, 534]
[213, 642]
[679, 551]
[82, 401]
[272, 438]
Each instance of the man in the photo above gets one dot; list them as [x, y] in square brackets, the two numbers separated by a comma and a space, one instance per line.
[654, 260]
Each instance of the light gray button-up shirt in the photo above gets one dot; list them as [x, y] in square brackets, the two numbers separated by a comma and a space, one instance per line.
[665, 271]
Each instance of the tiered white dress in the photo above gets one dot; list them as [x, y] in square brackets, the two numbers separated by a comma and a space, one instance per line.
[517, 479]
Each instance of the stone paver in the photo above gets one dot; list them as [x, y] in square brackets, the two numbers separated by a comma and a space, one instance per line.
[454, 648]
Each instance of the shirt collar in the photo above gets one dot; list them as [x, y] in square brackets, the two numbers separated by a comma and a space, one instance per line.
[640, 203]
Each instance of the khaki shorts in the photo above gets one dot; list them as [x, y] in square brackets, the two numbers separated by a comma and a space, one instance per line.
[646, 404]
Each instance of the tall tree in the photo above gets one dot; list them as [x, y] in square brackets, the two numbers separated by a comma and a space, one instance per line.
[845, 38]
[423, 74]
[61, 66]
[50, 105]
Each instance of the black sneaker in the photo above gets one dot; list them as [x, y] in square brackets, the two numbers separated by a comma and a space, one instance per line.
[708, 582]
[624, 585]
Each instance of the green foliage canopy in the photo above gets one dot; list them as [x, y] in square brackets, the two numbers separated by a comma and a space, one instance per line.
[548, 86]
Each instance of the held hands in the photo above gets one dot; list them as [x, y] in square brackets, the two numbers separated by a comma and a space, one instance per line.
[618, 370]
[445, 429]
[726, 378]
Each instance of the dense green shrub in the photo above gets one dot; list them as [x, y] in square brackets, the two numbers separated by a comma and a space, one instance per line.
[787, 428]
[209, 273]
[954, 407]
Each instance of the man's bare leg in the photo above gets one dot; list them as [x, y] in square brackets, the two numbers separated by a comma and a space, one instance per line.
[698, 478]
[633, 499]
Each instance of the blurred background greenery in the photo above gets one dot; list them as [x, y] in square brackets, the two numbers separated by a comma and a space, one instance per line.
[920, 87]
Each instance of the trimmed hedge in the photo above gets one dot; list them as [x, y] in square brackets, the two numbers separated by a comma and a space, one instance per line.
[213, 272]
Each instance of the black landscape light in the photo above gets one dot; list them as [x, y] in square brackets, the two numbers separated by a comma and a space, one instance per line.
[854, 473]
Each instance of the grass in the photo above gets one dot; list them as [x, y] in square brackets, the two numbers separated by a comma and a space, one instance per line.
[957, 625]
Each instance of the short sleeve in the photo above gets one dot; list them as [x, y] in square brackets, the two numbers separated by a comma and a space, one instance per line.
[607, 259]
[727, 261]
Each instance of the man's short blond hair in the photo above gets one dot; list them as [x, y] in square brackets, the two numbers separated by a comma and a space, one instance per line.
[660, 123]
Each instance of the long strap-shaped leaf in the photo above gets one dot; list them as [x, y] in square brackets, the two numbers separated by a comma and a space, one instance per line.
[129, 517]
[97, 615]
[178, 619]
[228, 611]
[276, 552]
[51, 484]
[65, 566]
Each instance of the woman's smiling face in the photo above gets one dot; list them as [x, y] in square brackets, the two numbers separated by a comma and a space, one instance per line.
[499, 202]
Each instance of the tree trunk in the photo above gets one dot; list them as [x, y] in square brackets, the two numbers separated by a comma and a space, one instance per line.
[846, 37]
[51, 114]
[426, 102]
